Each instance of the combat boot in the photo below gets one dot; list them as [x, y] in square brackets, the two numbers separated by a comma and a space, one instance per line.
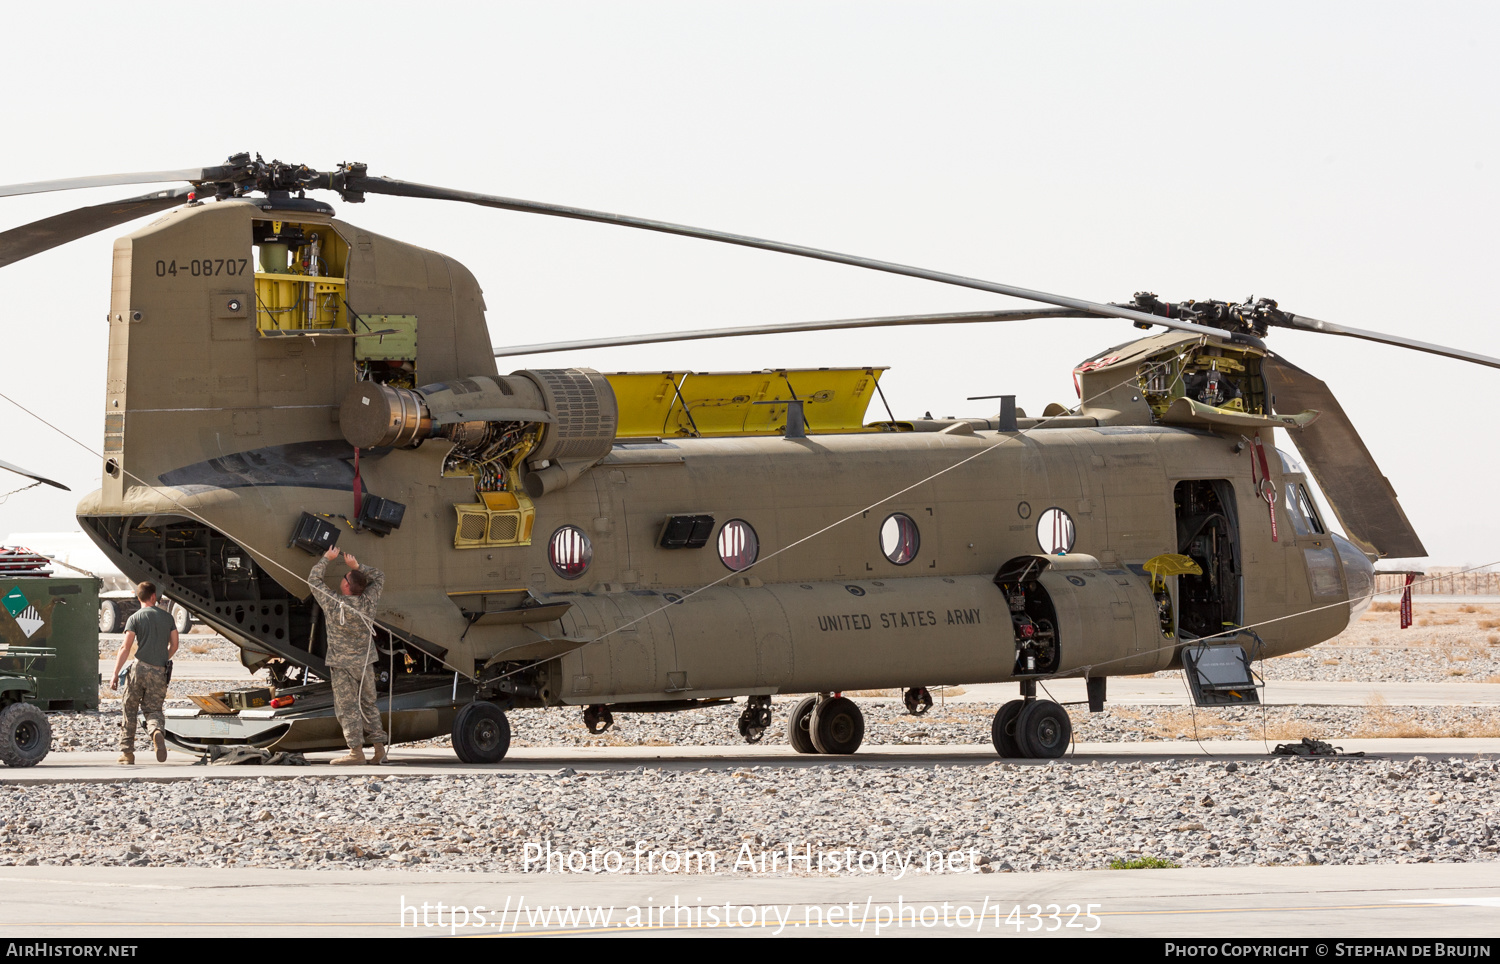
[127, 757]
[354, 758]
[378, 757]
[159, 740]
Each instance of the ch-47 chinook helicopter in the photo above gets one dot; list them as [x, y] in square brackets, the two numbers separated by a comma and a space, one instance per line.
[280, 380]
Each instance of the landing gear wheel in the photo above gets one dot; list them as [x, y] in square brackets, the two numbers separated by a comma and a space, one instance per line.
[798, 733]
[837, 726]
[918, 700]
[25, 735]
[1044, 730]
[1003, 729]
[598, 718]
[481, 733]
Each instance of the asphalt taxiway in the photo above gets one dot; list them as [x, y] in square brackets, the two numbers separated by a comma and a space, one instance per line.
[1327, 905]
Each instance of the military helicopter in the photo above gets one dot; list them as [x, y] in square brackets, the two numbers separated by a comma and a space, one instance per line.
[281, 381]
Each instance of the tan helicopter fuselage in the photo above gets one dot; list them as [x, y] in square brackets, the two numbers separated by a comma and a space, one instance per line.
[222, 428]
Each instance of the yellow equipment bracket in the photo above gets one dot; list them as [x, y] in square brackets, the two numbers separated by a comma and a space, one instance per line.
[1170, 564]
[690, 404]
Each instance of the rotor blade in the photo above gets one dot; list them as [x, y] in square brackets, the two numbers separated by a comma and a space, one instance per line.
[889, 321]
[386, 185]
[1304, 323]
[101, 180]
[32, 475]
[1361, 497]
[39, 236]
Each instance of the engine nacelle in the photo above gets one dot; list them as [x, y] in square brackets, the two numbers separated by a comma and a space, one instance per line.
[573, 408]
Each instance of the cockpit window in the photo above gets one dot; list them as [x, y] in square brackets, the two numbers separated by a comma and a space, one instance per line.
[1289, 463]
[1303, 510]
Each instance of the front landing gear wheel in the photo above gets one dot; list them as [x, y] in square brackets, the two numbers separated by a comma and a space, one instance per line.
[481, 733]
[1003, 729]
[837, 726]
[797, 728]
[25, 735]
[1043, 730]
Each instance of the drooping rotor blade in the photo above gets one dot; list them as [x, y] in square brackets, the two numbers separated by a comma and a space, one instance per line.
[889, 321]
[32, 475]
[39, 236]
[1362, 498]
[102, 180]
[391, 186]
[1304, 323]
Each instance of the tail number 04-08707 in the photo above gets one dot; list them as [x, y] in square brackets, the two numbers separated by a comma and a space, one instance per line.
[1039, 920]
[203, 267]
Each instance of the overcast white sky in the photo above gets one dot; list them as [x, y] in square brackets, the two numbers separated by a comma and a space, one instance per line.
[1338, 157]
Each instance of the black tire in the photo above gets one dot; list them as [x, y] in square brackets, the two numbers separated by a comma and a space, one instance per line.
[837, 726]
[798, 733]
[481, 733]
[25, 735]
[1044, 730]
[1003, 729]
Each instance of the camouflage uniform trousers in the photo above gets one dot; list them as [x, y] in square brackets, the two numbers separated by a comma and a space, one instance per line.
[354, 704]
[145, 691]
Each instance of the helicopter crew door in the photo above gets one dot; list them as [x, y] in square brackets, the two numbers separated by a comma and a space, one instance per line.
[1208, 531]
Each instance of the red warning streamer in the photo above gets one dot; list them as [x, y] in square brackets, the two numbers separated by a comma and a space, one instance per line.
[1406, 601]
[1260, 474]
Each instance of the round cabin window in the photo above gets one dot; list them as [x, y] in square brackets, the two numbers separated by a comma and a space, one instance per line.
[738, 546]
[899, 539]
[570, 552]
[1054, 532]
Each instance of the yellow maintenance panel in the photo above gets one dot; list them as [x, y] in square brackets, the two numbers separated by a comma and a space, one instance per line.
[693, 404]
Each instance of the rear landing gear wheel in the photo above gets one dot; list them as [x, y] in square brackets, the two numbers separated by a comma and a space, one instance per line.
[1003, 729]
[837, 726]
[1043, 730]
[797, 732]
[25, 735]
[481, 733]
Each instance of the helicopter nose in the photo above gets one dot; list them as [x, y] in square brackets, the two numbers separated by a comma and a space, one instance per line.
[1359, 575]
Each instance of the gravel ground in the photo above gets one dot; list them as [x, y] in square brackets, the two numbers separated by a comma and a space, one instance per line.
[1053, 816]
[200, 643]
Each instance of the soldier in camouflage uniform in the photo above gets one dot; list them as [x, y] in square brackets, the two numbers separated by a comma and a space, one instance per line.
[152, 633]
[350, 616]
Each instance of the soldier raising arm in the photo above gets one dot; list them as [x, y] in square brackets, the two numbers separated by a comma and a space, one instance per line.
[350, 619]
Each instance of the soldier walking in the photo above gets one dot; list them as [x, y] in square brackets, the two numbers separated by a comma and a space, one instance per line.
[153, 635]
[350, 617]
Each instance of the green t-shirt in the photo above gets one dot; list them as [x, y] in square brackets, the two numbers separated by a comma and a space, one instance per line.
[153, 630]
